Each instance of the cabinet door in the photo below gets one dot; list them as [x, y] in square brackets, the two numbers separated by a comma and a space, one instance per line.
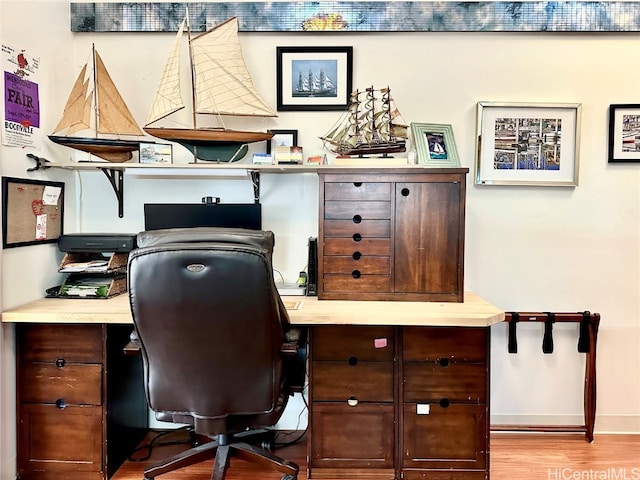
[449, 437]
[428, 241]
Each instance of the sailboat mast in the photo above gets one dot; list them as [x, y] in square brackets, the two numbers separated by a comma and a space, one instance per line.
[193, 72]
[95, 89]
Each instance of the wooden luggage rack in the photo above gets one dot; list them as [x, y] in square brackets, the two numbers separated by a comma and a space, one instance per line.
[589, 323]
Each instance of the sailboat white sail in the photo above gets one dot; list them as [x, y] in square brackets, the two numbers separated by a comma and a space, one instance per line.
[221, 85]
[95, 106]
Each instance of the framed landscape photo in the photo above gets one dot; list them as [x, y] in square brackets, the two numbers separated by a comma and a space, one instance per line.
[435, 145]
[313, 78]
[624, 133]
[282, 138]
[527, 143]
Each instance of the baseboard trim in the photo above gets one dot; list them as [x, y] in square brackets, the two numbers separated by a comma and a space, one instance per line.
[607, 423]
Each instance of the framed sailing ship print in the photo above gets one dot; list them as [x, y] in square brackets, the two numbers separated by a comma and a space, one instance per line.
[435, 145]
[527, 144]
[624, 133]
[313, 78]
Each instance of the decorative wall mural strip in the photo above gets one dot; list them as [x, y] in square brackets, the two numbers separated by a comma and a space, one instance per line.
[569, 16]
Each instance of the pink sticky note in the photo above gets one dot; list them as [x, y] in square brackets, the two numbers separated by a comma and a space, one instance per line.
[380, 342]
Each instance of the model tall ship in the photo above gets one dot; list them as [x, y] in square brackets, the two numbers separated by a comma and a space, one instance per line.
[220, 85]
[372, 125]
[96, 107]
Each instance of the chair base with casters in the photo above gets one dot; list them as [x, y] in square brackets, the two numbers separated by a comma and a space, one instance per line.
[222, 449]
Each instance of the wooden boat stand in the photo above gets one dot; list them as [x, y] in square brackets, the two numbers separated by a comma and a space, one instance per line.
[589, 323]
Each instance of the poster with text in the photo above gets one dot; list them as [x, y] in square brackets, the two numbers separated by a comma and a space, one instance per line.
[21, 113]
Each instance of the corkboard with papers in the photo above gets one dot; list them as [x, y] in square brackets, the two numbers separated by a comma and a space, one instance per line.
[32, 211]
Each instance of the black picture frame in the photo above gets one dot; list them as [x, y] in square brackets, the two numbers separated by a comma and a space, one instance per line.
[624, 133]
[32, 211]
[282, 137]
[295, 66]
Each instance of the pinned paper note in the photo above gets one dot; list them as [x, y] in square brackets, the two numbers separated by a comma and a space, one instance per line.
[41, 227]
[51, 195]
[380, 343]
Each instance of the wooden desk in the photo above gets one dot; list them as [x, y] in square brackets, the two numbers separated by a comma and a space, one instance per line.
[395, 388]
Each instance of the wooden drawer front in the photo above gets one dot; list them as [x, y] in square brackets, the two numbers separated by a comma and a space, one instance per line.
[446, 474]
[366, 246]
[460, 344]
[458, 382]
[360, 344]
[366, 210]
[47, 342]
[56, 439]
[366, 283]
[366, 228]
[75, 384]
[452, 437]
[357, 191]
[352, 437]
[365, 265]
[361, 382]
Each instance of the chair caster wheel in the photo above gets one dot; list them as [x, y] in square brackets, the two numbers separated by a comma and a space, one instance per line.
[289, 477]
[269, 445]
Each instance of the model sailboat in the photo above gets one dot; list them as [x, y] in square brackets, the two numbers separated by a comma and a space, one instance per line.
[95, 106]
[371, 125]
[221, 85]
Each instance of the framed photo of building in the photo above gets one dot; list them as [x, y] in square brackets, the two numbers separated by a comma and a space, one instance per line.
[527, 144]
[313, 78]
[624, 133]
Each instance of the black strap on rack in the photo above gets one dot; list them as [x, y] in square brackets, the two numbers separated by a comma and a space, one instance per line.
[547, 340]
[584, 341]
[513, 341]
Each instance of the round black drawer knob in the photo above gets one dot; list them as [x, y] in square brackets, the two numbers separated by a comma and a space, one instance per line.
[356, 274]
[357, 219]
[404, 192]
[60, 362]
[356, 255]
[444, 362]
[357, 237]
[444, 402]
[353, 361]
[61, 404]
[357, 184]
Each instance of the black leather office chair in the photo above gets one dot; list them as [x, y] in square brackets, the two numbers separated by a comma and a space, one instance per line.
[213, 336]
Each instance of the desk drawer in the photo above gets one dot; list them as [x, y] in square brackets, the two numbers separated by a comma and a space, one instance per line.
[352, 437]
[456, 344]
[73, 384]
[365, 265]
[363, 247]
[48, 342]
[360, 382]
[352, 344]
[357, 191]
[365, 283]
[458, 382]
[366, 228]
[346, 210]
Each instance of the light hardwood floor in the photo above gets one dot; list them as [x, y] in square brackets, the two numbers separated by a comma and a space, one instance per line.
[522, 456]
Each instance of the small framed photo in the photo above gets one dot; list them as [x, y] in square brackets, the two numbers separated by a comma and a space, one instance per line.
[156, 153]
[527, 144]
[435, 145]
[624, 133]
[282, 138]
[313, 78]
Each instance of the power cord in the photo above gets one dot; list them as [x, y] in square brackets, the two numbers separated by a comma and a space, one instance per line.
[154, 442]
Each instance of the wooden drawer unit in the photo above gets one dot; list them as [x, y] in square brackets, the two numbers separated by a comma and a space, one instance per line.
[391, 234]
[352, 397]
[73, 423]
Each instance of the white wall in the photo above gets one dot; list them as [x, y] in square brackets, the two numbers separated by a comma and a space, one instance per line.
[528, 248]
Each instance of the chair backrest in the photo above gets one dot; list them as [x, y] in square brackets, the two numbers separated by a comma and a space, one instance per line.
[209, 320]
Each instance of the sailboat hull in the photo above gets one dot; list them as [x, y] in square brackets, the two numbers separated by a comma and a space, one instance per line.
[211, 144]
[372, 148]
[116, 151]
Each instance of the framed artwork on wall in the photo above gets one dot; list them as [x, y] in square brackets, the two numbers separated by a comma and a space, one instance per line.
[435, 145]
[282, 138]
[313, 78]
[624, 133]
[527, 143]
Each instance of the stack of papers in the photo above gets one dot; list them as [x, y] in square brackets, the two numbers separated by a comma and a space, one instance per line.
[90, 266]
[86, 287]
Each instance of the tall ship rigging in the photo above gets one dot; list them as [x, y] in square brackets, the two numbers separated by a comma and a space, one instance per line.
[220, 85]
[96, 108]
[371, 125]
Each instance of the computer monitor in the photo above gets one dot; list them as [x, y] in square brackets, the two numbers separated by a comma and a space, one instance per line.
[184, 215]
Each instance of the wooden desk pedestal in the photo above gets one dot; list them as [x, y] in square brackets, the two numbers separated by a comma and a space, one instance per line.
[399, 402]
